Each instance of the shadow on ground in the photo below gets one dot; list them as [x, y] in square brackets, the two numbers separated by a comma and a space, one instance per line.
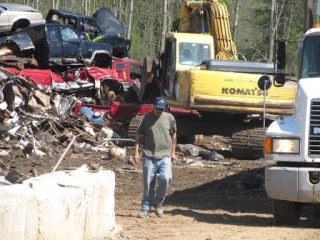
[227, 201]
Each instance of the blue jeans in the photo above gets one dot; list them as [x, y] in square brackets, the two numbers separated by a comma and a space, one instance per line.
[155, 169]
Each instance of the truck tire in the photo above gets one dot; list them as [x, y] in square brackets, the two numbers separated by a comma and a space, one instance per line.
[248, 142]
[285, 212]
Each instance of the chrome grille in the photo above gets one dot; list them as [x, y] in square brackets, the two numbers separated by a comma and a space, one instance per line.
[314, 131]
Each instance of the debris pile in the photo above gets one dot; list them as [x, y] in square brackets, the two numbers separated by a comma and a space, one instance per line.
[33, 119]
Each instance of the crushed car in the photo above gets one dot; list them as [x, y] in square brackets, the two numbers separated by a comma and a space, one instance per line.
[88, 26]
[97, 85]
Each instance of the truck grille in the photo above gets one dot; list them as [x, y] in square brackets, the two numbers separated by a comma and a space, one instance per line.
[314, 131]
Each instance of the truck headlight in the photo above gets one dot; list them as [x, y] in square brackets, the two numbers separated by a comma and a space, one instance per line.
[282, 145]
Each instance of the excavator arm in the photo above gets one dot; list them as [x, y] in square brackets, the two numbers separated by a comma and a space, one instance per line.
[211, 17]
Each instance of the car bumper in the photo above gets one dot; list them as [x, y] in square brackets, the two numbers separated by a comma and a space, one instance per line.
[292, 184]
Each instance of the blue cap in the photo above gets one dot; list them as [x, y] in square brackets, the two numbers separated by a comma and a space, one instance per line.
[160, 103]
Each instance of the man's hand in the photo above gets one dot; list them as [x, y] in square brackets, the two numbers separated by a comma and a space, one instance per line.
[136, 149]
[173, 157]
[136, 158]
[174, 144]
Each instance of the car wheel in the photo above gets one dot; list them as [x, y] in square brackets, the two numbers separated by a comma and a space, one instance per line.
[286, 212]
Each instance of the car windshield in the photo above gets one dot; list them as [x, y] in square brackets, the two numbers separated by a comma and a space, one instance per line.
[193, 53]
[311, 57]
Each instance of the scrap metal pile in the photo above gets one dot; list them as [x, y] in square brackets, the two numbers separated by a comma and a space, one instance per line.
[34, 118]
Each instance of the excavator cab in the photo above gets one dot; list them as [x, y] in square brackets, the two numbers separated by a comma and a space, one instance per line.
[182, 51]
[193, 53]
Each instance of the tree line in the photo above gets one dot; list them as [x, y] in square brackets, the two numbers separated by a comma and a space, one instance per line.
[255, 24]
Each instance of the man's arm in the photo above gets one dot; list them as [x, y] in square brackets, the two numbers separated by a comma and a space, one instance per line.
[174, 143]
[136, 148]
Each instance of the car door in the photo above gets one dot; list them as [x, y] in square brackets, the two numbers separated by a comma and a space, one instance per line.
[71, 43]
[4, 26]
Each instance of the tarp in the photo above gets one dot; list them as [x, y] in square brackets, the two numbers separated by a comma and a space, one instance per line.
[109, 23]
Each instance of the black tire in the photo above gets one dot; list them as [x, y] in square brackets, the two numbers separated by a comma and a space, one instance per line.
[316, 210]
[285, 212]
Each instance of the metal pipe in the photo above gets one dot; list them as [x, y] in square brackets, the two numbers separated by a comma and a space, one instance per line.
[64, 153]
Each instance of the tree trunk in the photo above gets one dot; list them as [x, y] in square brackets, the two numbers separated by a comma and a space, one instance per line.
[271, 30]
[308, 13]
[164, 24]
[236, 19]
[130, 20]
[120, 10]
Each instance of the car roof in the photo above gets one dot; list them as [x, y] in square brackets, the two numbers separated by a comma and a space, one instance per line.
[68, 13]
[16, 7]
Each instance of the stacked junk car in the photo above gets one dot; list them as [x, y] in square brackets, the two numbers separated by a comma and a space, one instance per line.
[62, 74]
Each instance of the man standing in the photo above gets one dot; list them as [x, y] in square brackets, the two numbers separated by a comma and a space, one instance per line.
[159, 130]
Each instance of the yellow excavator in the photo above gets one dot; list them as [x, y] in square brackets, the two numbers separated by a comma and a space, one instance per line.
[199, 70]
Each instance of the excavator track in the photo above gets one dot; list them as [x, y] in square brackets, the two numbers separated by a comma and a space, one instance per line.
[133, 126]
[248, 142]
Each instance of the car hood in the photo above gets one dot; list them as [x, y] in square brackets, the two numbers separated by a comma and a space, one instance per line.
[108, 22]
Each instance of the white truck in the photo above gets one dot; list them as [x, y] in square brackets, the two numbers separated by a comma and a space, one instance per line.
[294, 142]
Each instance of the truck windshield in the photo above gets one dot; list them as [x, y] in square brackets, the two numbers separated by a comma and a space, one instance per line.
[310, 66]
[68, 34]
[193, 53]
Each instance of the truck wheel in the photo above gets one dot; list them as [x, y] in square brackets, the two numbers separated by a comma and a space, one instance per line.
[285, 212]
[316, 210]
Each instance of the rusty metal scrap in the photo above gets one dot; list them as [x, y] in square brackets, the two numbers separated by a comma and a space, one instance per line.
[17, 50]
[19, 44]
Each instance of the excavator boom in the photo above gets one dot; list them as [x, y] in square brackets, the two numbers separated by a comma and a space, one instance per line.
[211, 17]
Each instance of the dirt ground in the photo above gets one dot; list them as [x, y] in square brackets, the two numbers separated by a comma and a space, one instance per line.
[207, 199]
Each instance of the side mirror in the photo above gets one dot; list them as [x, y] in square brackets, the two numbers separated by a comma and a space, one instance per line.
[83, 37]
[279, 79]
[281, 55]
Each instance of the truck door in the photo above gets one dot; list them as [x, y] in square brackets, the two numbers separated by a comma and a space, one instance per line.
[71, 43]
[55, 44]
[168, 73]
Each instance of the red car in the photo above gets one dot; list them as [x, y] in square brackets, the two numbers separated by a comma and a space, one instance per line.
[129, 70]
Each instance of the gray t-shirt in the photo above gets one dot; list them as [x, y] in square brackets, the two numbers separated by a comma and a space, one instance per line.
[157, 142]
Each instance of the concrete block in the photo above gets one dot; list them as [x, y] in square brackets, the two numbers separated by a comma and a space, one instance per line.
[78, 205]
[18, 216]
[99, 196]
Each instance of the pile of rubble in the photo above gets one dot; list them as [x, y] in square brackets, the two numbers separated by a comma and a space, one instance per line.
[32, 120]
